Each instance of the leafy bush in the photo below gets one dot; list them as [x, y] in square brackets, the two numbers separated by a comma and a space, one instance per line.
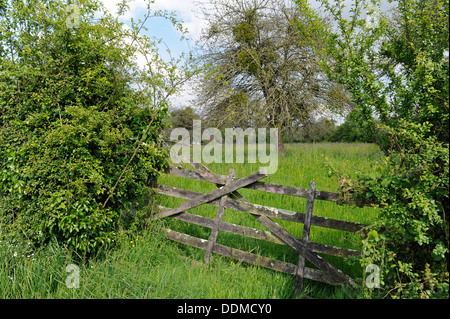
[396, 69]
[78, 140]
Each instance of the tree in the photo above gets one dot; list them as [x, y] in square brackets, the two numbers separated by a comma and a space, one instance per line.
[183, 117]
[317, 130]
[352, 131]
[262, 70]
[79, 121]
[396, 69]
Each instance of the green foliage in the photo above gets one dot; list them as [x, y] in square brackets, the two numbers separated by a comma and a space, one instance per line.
[413, 218]
[183, 118]
[255, 49]
[248, 60]
[78, 141]
[313, 130]
[351, 131]
[244, 32]
[397, 73]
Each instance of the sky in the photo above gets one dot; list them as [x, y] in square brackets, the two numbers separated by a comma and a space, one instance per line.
[159, 28]
[186, 10]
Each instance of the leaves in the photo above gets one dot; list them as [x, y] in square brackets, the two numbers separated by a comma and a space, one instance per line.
[395, 70]
[266, 51]
[74, 105]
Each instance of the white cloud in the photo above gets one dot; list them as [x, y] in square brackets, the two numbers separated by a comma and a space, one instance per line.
[185, 8]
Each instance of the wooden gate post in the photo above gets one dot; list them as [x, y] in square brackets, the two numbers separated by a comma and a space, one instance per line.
[227, 196]
[219, 216]
[305, 236]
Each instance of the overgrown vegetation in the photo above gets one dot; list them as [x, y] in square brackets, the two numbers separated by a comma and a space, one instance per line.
[396, 69]
[261, 71]
[79, 122]
[79, 141]
[144, 264]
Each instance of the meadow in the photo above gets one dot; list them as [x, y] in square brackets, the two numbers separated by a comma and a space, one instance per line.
[144, 264]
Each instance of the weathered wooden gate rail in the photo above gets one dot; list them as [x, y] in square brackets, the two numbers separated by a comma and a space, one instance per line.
[226, 196]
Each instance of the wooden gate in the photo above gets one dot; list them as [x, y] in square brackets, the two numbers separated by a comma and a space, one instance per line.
[226, 196]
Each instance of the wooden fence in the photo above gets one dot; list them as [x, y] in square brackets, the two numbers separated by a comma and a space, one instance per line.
[226, 196]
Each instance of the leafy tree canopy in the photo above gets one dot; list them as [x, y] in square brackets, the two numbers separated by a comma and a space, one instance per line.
[262, 67]
[79, 120]
[396, 68]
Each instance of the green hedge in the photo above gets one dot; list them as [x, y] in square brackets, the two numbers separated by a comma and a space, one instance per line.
[70, 120]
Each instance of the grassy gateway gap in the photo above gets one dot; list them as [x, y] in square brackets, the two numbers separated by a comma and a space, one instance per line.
[147, 265]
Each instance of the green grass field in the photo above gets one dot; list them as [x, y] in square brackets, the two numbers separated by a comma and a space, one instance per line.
[147, 265]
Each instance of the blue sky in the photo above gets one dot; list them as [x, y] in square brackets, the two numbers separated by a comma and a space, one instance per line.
[186, 10]
[160, 28]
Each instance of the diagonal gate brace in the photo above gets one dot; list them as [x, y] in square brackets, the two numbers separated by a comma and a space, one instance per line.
[203, 199]
[334, 275]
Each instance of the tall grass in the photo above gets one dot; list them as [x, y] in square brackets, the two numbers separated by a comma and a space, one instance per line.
[145, 264]
[303, 163]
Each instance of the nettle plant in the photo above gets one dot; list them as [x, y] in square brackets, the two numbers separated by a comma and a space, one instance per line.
[79, 120]
[396, 70]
